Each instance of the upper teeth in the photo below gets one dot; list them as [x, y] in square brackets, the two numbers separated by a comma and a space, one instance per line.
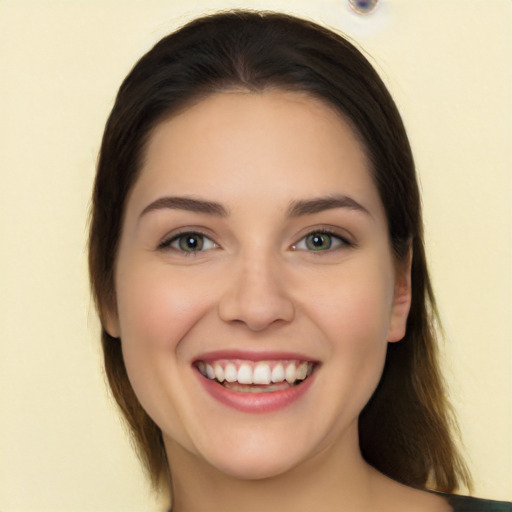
[249, 372]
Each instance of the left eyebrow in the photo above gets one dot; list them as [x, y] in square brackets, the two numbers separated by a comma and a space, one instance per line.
[317, 205]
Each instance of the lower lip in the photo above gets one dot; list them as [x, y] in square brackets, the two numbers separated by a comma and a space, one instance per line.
[256, 402]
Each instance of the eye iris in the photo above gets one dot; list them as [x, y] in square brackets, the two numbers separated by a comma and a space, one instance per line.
[191, 243]
[318, 241]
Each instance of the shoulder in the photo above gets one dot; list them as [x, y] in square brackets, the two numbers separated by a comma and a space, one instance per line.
[470, 504]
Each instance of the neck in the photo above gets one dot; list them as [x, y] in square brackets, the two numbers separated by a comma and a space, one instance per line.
[334, 478]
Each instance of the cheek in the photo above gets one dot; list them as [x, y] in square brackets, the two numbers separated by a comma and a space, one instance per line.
[156, 310]
[356, 310]
[155, 313]
[356, 328]
[354, 316]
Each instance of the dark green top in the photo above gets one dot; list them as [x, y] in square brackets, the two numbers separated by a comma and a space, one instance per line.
[469, 504]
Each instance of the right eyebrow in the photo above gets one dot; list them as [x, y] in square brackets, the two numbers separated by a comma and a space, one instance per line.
[186, 203]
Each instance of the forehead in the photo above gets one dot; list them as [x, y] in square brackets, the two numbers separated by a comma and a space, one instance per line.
[242, 142]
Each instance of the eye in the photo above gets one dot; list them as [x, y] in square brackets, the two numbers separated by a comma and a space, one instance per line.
[320, 241]
[189, 243]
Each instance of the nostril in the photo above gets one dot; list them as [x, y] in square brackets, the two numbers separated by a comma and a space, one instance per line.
[256, 293]
[256, 315]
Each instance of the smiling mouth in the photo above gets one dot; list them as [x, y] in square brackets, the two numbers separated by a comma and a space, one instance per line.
[256, 377]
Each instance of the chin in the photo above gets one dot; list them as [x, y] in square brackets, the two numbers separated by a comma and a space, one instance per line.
[247, 467]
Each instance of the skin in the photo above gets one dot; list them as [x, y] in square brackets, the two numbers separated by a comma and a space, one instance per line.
[256, 286]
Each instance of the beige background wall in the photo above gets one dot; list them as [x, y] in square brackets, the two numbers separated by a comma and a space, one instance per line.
[449, 65]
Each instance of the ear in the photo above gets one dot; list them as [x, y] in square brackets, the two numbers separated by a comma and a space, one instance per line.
[110, 320]
[401, 300]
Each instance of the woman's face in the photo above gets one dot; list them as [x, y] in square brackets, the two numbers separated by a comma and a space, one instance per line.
[254, 251]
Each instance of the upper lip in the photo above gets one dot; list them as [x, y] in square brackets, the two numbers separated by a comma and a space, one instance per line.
[250, 355]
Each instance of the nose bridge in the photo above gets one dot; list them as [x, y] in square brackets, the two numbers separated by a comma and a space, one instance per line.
[256, 293]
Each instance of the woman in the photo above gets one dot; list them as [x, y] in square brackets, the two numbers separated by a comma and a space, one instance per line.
[256, 255]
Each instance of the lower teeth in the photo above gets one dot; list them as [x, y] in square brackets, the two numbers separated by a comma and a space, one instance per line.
[255, 388]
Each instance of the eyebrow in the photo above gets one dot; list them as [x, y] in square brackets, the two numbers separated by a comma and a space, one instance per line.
[317, 205]
[296, 209]
[186, 203]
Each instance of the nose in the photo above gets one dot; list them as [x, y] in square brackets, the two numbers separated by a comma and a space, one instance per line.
[256, 295]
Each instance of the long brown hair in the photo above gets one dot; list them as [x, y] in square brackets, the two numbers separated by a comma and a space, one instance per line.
[406, 429]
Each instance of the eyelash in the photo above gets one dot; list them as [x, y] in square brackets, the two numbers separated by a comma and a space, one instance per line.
[338, 240]
[167, 243]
